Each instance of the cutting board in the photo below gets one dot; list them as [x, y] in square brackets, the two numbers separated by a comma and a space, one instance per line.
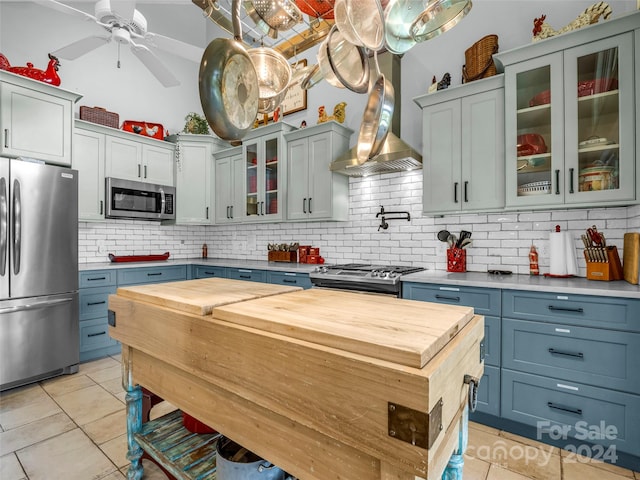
[631, 257]
[201, 296]
[407, 332]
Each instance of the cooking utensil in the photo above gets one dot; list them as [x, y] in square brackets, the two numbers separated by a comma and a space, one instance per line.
[438, 17]
[273, 16]
[594, 236]
[398, 18]
[443, 235]
[274, 75]
[376, 118]
[465, 242]
[312, 77]
[361, 22]
[464, 234]
[452, 240]
[228, 84]
[349, 62]
[325, 66]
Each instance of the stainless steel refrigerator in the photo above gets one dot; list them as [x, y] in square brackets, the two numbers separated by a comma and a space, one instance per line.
[38, 272]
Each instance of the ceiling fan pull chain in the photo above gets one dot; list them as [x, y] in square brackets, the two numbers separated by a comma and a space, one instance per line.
[118, 55]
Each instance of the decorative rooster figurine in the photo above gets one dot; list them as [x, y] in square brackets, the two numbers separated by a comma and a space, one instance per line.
[542, 30]
[50, 75]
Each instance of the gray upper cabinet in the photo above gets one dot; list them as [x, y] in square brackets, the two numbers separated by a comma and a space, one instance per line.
[314, 192]
[229, 186]
[88, 159]
[570, 118]
[36, 119]
[194, 178]
[463, 147]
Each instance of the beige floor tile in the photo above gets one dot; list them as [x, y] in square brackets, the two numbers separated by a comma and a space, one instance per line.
[570, 457]
[475, 469]
[117, 358]
[151, 471]
[24, 405]
[110, 373]
[528, 441]
[122, 397]
[116, 450]
[34, 432]
[113, 386]
[66, 384]
[10, 468]
[486, 428]
[70, 456]
[89, 404]
[498, 473]
[517, 457]
[587, 471]
[95, 365]
[637, 474]
[115, 476]
[107, 428]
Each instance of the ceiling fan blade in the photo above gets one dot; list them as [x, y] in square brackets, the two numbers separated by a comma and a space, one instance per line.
[123, 9]
[176, 47]
[80, 47]
[155, 66]
[61, 7]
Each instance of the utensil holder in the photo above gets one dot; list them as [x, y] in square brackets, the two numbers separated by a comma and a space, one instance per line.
[456, 260]
[605, 271]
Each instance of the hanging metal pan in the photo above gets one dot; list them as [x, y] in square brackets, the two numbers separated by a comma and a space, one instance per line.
[228, 84]
[361, 22]
[438, 17]
[398, 18]
[349, 62]
[376, 119]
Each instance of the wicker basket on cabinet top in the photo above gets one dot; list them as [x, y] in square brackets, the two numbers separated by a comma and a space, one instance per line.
[100, 116]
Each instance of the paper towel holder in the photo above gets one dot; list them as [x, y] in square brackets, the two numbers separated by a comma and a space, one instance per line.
[555, 275]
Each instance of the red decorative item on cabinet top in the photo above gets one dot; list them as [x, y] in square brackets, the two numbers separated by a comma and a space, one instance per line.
[50, 75]
[152, 130]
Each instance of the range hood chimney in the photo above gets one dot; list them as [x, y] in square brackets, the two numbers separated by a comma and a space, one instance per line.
[396, 155]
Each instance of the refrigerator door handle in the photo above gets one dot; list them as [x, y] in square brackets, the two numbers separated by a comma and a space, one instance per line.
[17, 224]
[4, 220]
[33, 306]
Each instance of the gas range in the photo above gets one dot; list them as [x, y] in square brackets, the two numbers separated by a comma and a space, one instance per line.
[362, 277]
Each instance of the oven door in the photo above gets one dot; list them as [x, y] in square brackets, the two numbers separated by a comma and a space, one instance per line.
[138, 200]
[359, 287]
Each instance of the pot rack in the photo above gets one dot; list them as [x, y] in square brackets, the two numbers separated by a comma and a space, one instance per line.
[310, 32]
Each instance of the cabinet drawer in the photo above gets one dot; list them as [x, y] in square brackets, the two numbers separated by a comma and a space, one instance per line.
[582, 310]
[94, 302]
[97, 278]
[485, 301]
[130, 276]
[94, 334]
[543, 401]
[247, 274]
[290, 278]
[606, 358]
[201, 271]
[489, 392]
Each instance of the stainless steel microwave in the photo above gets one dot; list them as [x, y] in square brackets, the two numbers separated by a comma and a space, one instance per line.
[139, 200]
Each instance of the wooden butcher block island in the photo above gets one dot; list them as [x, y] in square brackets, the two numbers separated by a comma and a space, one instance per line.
[325, 384]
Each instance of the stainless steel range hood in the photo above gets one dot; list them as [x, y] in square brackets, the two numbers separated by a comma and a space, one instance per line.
[396, 155]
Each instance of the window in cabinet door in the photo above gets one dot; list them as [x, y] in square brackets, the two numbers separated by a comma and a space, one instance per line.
[252, 179]
[271, 177]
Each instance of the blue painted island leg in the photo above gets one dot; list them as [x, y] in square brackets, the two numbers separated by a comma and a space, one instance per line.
[134, 417]
[456, 462]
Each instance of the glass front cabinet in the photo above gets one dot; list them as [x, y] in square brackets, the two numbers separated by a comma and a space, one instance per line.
[265, 166]
[570, 121]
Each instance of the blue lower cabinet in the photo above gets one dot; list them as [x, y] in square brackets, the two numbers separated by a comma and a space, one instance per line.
[565, 410]
[95, 341]
[492, 341]
[203, 271]
[138, 276]
[289, 278]
[485, 301]
[489, 392]
[248, 274]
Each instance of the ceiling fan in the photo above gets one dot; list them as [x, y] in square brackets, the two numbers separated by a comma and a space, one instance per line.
[125, 25]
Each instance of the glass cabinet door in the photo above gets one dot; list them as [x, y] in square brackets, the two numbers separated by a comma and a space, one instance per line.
[534, 131]
[271, 177]
[251, 166]
[600, 146]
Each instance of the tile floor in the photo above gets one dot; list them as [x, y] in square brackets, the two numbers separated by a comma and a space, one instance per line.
[74, 428]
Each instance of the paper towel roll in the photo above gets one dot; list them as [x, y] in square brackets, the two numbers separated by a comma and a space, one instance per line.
[562, 254]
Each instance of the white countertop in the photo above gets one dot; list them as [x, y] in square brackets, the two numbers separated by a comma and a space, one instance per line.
[577, 285]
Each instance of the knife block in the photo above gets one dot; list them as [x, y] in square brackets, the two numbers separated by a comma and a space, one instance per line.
[605, 271]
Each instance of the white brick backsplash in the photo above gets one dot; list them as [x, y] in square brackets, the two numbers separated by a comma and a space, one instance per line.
[500, 240]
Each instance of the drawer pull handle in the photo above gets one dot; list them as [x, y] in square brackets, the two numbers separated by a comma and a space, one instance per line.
[445, 297]
[565, 309]
[553, 351]
[97, 303]
[285, 280]
[577, 411]
[154, 274]
[245, 276]
[96, 278]
[210, 273]
[96, 334]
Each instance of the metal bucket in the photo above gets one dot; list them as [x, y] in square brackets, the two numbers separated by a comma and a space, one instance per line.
[236, 463]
